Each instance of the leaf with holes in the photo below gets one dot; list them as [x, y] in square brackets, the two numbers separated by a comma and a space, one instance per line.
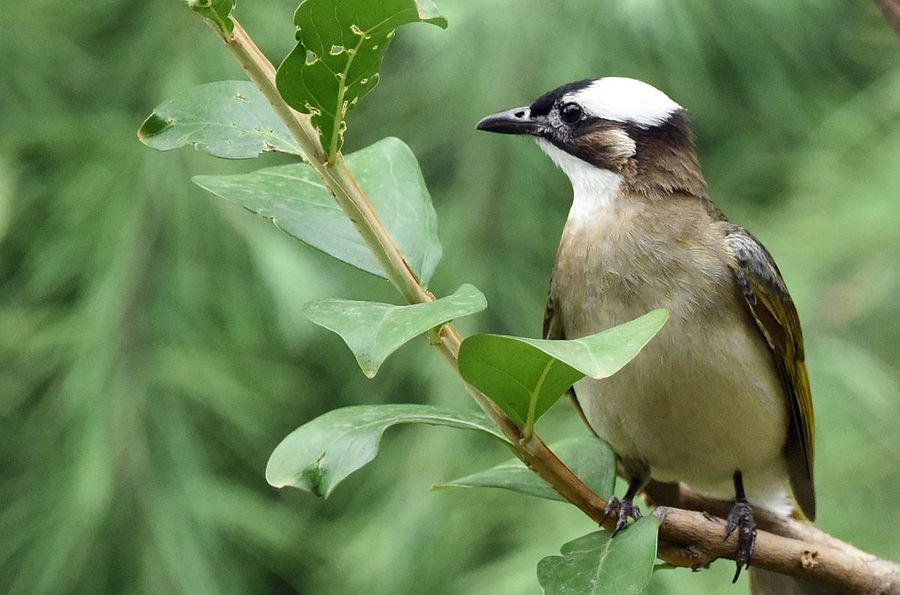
[589, 458]
[320, 454]
[597, 564]
[229, 119]
[526, 376]
[373, 331]
[295, 199]
[340, 47]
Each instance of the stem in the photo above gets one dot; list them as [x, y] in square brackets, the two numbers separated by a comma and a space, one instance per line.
[337, 175]
[354, 202]
[687, 538]
[339, 114]
[891, 11]
[261, 72]
[532, 402]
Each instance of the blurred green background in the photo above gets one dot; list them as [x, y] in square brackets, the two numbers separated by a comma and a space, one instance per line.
[152, 350]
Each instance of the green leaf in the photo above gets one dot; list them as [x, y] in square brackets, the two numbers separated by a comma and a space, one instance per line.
[597, 564]
[217, 11]
[526, 376]
[373, 331]
[590, 458]
[229, 119]
[296, 200]
[319, 455]
[340, 47]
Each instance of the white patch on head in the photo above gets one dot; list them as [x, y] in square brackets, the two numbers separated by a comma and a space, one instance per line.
[625, 100]
[594, 189]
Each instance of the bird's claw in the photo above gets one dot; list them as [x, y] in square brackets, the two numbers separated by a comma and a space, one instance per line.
[623, 509]
[710, 517]
[741, 519]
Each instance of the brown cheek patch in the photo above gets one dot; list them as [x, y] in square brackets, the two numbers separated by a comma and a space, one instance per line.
[609, 148]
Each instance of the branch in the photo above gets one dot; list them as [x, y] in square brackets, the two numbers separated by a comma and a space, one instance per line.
[687, 538]
[785, 545]
[354, 202]
[891, 11]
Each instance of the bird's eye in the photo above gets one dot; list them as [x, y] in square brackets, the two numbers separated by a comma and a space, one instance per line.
[570, 113]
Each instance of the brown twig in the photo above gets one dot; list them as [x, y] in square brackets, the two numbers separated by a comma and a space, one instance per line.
[687, 538]
[695, 540]
[891, 11]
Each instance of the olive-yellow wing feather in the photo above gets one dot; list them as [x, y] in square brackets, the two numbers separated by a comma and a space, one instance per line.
[773, 311]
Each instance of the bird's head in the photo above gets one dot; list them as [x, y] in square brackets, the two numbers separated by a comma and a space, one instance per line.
[615, 124]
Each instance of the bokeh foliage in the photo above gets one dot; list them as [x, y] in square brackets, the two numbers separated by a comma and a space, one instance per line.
[152, 344]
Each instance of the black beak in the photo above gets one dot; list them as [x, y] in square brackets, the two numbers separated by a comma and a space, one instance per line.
[514, 121]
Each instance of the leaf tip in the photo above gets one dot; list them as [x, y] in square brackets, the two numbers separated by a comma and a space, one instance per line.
[312, 479]
[428, 13]
[439, 21]
[479, 300]
[200, 181]
[368, 362]
[154, 125]
[309, 308]
[315, 478]
[272, 477]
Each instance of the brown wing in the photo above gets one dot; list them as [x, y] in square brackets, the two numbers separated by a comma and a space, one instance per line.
[775, 315]
[553, 329]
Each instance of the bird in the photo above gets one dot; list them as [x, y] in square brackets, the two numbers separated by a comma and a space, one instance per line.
[720, 399]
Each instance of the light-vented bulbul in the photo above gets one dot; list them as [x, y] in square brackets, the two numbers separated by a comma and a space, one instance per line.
[720, 399]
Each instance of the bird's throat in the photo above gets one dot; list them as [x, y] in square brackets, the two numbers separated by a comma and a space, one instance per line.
[594, 189]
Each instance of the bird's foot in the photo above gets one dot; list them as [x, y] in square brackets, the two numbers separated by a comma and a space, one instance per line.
[741, 520]
[623, 509]
[711, 517]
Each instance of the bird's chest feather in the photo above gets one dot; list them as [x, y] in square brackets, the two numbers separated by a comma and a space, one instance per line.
[626, 258]
[702, 399]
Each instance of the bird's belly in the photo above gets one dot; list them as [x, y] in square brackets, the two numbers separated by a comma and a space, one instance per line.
[702, 400]
[695, 407]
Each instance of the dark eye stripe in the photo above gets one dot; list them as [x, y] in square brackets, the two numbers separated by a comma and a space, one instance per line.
[543, 104]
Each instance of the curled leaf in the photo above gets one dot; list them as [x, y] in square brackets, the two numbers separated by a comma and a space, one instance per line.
[526, 376]
[228, 119]
[340, 47]
[373, 331]
[297, 201]
[320, 454]
[217, 11]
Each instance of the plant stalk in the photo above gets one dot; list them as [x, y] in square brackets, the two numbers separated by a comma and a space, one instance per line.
[356, 204]
[687, 538]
